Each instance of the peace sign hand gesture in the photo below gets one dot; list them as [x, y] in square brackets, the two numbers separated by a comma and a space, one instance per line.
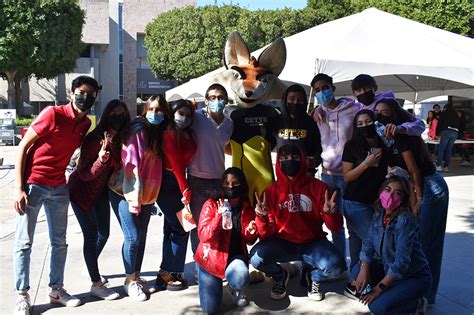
[329, 204]
[261, 208]
[220, 206]
[104, 153]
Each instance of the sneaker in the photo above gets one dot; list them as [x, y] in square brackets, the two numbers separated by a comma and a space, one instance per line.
[144, 285]
[135, 291]
[465, 163]
[23, 305]
[101, 291]
[171, 281]
[60, 296]
[279, 288]
[314, 291]
[238, 297]
[439, 168]
[422, 307]
[351, 292]
[445, 169]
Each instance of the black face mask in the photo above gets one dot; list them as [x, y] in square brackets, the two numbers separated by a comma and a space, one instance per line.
[232, 192]
[384, 120]
[367, 131]
[290, 167]
[116, 122]
[366, 98]
[296, 109]
[84, 102]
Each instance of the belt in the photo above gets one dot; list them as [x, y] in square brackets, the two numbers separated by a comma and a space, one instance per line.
[455, 129]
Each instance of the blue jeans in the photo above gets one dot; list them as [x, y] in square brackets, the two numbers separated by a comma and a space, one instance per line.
[210, 287]
[402, 296]
[201, 190]
[446, 142]
[175, 239]
[358, 218]
[134, 228]
[322, 256]
[336, 183]
[433, 217]
[56, 203]
[95, 226]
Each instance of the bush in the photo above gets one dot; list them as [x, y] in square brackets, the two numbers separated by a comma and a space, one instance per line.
[24, 121]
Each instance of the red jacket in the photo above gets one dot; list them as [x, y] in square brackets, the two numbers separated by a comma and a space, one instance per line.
[213, 249]
[296, 208]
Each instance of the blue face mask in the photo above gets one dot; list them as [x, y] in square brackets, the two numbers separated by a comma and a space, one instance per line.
[155, 119]
[216, 106]
[324, 97]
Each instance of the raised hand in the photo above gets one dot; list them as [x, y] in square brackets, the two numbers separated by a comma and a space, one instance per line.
[251, 227]
[220, 206]
[104, 153]
[261, 208]
[329, 204]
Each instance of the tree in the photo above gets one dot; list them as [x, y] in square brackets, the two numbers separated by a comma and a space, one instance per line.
[188, 42]
[41, 38]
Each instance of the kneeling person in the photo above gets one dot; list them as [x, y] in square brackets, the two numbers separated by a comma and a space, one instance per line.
[290, 215]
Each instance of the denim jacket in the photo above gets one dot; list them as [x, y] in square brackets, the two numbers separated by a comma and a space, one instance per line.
[397, 246]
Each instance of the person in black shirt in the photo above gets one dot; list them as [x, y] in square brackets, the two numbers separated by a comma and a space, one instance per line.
[296, 126]
[364, 171]
[430, 189]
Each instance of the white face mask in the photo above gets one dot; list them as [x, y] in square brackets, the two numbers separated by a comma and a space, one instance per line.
[182, 121]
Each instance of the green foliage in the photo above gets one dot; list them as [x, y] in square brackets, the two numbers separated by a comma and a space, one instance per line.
[23, 121]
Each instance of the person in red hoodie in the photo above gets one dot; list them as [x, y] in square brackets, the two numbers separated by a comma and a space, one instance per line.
[290, 215]
[223, 252]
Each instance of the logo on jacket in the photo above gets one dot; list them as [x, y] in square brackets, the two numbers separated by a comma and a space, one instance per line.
[292, 134]
[297, 202]
[256, 121]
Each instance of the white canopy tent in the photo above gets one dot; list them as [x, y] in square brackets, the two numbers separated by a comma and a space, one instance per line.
[414, 60]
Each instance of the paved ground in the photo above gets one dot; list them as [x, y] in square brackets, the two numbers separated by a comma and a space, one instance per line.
[455, 296]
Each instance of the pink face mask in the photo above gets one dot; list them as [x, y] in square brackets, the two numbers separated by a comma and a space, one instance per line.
[389, 201]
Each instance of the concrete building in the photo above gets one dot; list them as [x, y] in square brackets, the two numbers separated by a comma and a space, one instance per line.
[114, 32]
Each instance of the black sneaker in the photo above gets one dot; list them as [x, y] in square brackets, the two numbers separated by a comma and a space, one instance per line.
[171, 281]
[351, 292]
[279, 288]
[314, 291]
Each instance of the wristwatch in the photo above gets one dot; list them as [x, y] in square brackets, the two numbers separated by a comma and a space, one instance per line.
[382, 286]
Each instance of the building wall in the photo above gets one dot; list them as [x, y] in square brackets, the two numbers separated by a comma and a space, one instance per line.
[96, 28]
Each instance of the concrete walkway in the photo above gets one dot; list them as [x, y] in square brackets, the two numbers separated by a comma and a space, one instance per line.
[455, 296]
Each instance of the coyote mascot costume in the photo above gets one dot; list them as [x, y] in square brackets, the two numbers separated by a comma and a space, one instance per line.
[250, 81]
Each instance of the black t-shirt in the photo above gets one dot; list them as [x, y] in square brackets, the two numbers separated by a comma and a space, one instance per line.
[366, 187]
[236, 236]
[410, 143]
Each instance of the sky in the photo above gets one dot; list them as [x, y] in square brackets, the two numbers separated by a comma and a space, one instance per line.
[258, 4]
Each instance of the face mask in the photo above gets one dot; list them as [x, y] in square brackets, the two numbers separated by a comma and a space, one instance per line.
[384, 120]
[155, 119]
[290, 167]
[296, 109]
[232, 192]
[324, 97]
[216, 106]
[366, 131]
[366, 98]
[116, 122]
[182, 121]
[389, 201]
[84, 101]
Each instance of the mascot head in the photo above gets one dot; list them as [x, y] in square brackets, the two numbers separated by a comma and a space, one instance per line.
[250, 81]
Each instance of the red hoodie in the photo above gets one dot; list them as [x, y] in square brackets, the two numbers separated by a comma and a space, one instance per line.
[296, 208]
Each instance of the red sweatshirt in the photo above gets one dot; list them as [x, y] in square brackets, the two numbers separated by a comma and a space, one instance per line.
[178, 151]
[296, 208]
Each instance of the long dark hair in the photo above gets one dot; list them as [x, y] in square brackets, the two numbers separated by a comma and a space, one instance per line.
[361, 144]
[174, 106]
[405, 200]
[237, 172]
[154, 134]
[122, 134]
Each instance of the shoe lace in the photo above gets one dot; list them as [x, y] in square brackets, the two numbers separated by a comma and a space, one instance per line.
[22, 304]
[279, 286]
[62, 293]
[315, 287]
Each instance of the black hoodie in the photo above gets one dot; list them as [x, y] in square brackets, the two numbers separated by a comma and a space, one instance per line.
[301, 130]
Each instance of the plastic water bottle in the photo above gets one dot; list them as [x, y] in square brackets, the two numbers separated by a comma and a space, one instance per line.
[226, 216]
[380, 128]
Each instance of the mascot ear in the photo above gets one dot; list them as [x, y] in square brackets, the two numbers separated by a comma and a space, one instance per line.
[236, 51]
[273, 58]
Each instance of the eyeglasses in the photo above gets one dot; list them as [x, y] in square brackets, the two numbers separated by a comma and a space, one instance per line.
[214, 97]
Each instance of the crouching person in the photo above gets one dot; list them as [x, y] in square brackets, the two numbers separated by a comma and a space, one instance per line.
[290, 215]
[222, 251]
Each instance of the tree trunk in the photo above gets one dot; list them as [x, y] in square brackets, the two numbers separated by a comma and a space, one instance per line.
[18, 96]
[11, 88]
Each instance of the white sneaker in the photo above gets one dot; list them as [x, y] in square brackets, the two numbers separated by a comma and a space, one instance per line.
[445, 169]
[135, 291]
[103, 292]
[23, 305]
[144, 285]
[465, 163]
[238, 297]
[439, 168]
[60, 296]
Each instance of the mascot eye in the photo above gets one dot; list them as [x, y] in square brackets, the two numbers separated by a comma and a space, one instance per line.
[264, 80]
[236, 75]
